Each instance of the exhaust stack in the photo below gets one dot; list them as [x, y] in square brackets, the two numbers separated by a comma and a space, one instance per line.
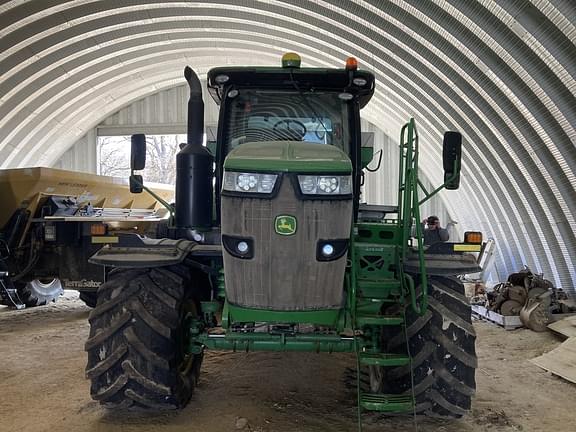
[194, 166]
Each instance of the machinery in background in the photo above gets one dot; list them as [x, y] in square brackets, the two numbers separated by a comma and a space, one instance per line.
[54, 220]
[529, 296]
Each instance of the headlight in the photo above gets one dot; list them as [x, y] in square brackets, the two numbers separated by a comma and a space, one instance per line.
[325, 185]
[249, 182]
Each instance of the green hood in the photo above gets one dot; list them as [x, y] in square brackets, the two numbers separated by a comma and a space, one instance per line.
[288, 156]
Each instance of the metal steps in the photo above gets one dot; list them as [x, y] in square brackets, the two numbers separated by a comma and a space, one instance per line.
[383, 359]
[386, 403]
[377, 290]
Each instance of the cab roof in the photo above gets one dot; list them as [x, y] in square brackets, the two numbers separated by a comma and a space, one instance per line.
[307, 79]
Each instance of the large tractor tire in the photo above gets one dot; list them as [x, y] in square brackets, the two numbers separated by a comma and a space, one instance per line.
[136, 347]
[442, 346]
[39, 293]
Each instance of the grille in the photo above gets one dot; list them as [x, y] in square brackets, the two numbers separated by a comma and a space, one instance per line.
[284, 273]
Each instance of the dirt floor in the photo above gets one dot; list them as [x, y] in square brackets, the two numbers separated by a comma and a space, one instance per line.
[42, 386]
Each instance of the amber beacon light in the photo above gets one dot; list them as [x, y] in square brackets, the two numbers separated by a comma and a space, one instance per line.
[351, 63]
[291, 60]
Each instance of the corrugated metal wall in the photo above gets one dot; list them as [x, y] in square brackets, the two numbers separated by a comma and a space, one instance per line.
[160, 113]
[81, 156]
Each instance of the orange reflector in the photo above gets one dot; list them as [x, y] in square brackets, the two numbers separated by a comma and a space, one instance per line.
[460, 247]
[98, 229]
[473, 237]
[105, 239]
[351, 63]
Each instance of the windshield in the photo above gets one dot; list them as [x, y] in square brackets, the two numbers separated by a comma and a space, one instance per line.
[259, 115]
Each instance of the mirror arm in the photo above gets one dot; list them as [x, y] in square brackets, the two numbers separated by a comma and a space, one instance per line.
[160, 200]
[423, 188]
[435, 191]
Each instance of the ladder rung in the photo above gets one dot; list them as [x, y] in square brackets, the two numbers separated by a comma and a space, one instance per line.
[383, 359]
[378, 288]
[374, 247]
[386, 403]
[378, 283]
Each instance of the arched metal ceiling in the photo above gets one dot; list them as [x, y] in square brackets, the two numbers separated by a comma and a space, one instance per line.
[502, 72]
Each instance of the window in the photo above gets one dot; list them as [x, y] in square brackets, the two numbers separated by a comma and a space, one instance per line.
[114, 157]
[259, 116]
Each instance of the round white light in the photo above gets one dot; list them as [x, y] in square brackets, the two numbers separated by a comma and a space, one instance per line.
[221, 79]
[345, 96]
[359, 82]
[247, 182]
[327, 250]
[242, 247]
[328, 184]
[233, 93]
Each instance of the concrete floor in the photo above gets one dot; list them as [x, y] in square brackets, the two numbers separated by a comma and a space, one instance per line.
[42, 386]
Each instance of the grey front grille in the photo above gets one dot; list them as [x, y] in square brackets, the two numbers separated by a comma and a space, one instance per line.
[284, 273]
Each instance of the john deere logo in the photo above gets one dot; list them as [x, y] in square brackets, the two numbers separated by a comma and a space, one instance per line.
[285, 225]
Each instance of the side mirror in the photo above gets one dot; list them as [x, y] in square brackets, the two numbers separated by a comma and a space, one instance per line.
[136, 184]
[211, 146]
[367, 154]
[367, 148]
[138, 152]
[452, 159]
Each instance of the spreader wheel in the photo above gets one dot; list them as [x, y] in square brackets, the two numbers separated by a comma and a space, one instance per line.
[39, 292]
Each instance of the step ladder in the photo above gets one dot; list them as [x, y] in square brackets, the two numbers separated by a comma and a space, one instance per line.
[375, 286]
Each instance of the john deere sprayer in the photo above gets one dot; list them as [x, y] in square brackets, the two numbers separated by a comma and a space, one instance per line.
[273, 251]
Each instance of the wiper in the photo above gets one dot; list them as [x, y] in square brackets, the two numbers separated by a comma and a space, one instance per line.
[310, 107]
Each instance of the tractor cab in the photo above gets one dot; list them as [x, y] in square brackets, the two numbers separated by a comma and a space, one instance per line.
[290, 109]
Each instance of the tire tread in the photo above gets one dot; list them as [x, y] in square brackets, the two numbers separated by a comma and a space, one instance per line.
[443, 352]
[133, 347]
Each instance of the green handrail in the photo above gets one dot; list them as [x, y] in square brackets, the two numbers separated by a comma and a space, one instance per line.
[409, 210]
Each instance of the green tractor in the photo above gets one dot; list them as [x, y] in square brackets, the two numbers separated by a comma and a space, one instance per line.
[272, 250]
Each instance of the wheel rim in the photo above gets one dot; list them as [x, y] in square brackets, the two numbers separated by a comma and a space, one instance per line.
[45, 286]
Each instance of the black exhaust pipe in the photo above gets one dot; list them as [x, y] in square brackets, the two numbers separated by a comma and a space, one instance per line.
[194, 162]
